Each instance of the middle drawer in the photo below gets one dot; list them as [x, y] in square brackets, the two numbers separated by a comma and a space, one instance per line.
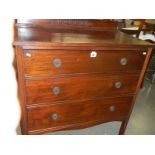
[79, 87]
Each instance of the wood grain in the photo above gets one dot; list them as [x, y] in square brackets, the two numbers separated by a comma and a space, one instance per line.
[40, 63]
[80, 112]
[21, 88]
[79, 88]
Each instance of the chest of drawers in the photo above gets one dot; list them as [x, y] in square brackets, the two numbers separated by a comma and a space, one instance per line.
[72, 78]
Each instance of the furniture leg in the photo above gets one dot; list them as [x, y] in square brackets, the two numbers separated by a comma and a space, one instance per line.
[123, 127]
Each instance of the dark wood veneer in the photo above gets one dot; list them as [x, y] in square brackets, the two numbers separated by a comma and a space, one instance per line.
[40, 63]
[72, 113]
[79, 87]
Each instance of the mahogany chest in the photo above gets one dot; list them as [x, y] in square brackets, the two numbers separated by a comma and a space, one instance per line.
[74, 74]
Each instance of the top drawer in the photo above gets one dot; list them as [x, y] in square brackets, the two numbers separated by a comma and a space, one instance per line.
[54, 62]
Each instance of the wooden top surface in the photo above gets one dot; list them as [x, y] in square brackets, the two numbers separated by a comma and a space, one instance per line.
[29, 34]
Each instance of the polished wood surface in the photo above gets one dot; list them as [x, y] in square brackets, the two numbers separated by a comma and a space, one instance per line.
[69, 24]
[79, 88]
[41, 62]
[46, 33]
[21, 88]
[62, 87]
[47, 38]
[70, 114]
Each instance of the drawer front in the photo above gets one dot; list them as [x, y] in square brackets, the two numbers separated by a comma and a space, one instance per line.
[51, 62]
[79, 87]
[61, 115]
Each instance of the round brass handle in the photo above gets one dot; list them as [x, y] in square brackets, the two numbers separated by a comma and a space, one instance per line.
[123, 61]
[54, 116]
[57, 63]
[112, 108]
[118, 84]
[56, 90]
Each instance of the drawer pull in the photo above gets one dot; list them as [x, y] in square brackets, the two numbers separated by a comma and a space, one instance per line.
[56, 90]
[57, 63]
[112, 108]
[118, 84]
[54, 116]
[123, 61]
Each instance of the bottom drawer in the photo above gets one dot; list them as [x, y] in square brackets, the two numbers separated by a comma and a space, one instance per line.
[69, 115]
